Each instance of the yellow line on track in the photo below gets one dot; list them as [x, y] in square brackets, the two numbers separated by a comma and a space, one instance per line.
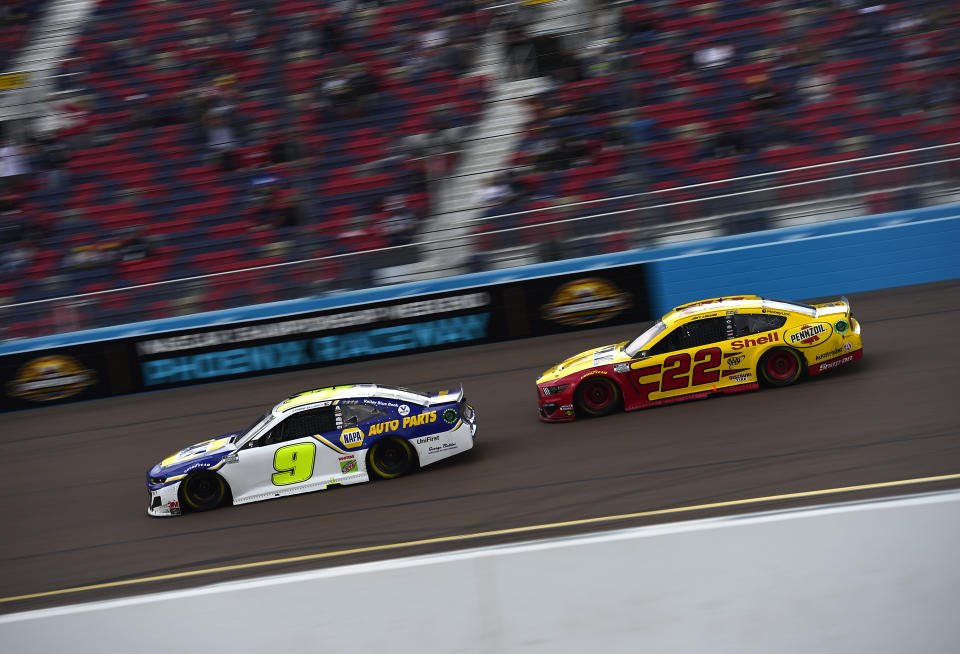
[483, 534]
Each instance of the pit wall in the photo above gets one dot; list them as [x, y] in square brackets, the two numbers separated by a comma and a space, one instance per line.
[877, 577]
[823, 260]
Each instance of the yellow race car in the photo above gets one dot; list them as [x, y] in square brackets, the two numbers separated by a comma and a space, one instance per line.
[722, 345]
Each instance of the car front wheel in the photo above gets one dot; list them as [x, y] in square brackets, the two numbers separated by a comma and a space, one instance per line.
[204, 490]
[597, 396]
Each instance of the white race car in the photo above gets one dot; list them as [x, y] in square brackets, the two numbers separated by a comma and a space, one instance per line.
[326, 437]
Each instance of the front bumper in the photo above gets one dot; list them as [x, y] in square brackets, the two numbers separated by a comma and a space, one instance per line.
[557, 407]
[163, 501]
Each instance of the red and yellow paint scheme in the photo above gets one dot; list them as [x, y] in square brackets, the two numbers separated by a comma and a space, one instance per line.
[721, 345]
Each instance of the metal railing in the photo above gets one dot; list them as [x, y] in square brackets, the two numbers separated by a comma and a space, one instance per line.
[897, 181]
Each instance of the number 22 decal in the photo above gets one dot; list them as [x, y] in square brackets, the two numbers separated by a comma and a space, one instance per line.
[676, 371]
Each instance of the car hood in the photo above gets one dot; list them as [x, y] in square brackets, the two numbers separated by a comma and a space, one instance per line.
[598, 356]
[201, 455]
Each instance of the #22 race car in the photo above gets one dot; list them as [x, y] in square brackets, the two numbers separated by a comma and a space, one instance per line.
[721, 345]
[326, 437]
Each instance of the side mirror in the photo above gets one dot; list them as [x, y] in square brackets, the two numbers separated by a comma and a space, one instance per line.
[642, 354]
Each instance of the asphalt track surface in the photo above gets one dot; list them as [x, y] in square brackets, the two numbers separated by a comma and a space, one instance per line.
[73, 499]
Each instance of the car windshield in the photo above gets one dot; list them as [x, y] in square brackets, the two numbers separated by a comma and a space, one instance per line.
[641, 341]
[256, 423]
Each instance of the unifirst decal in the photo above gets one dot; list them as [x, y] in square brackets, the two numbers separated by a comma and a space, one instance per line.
[420, 419]
[384, 427]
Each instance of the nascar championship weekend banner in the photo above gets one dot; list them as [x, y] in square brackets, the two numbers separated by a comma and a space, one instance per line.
[531, 307]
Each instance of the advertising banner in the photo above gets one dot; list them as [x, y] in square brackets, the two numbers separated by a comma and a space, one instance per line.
[498, 312]
[69, 374]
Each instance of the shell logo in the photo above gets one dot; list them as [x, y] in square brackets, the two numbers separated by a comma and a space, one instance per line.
[50, 378]
[352, 437]
[585, 301]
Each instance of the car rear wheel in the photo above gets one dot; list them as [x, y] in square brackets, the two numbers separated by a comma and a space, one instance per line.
[392, 457]
[597, 396]
[204, 490]
[780, 367]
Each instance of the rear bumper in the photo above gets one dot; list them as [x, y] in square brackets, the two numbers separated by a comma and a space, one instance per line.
[842, 360]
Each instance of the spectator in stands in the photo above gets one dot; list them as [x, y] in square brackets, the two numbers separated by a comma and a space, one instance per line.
[14, 165]
[762, 94]
[222, 139]
[399, 222]
[498, 191]
[52, 157]
[815, 86]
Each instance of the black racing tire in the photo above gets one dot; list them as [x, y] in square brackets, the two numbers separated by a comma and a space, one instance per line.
[780, 366]
[203, 490]
[390, 458]
[597, 396]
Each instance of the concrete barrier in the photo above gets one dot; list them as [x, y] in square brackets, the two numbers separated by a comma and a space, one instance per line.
[877, 577]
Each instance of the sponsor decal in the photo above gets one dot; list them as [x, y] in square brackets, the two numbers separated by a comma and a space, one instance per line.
[352, 437]
[403, 410]
[585, 301]
[174, 507]
[847, 347]
[450, 416]
[348, 464]
[734, 360]
[50, 378]
[808, 335]
[566, 407]
[769, 337]
[841, 326]
[830, 354]
[740, 377]
[443, 447]
[834, 364]
[384, 427]
[420, 419]
[621, 367]
[427, 439]
[594, 372]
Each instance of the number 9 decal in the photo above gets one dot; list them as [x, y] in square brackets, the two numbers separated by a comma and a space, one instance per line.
[293, 463]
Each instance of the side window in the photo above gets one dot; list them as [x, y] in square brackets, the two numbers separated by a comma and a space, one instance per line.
[301, 425]
[692, 334]
[354, 414]
[757, 323]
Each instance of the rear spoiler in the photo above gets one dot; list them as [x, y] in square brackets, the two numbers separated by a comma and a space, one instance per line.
[841, 306]
[445, 396]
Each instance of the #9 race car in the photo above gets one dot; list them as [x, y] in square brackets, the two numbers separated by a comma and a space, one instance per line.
[314, 440]
[722, 345]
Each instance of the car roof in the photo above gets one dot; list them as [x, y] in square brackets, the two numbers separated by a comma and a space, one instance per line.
[350, 391]
[734, 303]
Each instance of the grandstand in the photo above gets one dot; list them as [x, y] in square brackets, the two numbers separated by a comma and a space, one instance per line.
[380, 141]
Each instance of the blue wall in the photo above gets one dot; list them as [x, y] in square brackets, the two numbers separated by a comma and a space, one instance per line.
[827, 265]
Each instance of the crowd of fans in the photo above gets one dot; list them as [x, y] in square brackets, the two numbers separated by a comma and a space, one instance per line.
[680, 93]
[202, 136]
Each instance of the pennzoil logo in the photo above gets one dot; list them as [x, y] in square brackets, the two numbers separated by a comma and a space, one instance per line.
[50, 378]
[586, 301]
[808, 334]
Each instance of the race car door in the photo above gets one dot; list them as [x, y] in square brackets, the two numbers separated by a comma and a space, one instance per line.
[685, 361]
[285, 460]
